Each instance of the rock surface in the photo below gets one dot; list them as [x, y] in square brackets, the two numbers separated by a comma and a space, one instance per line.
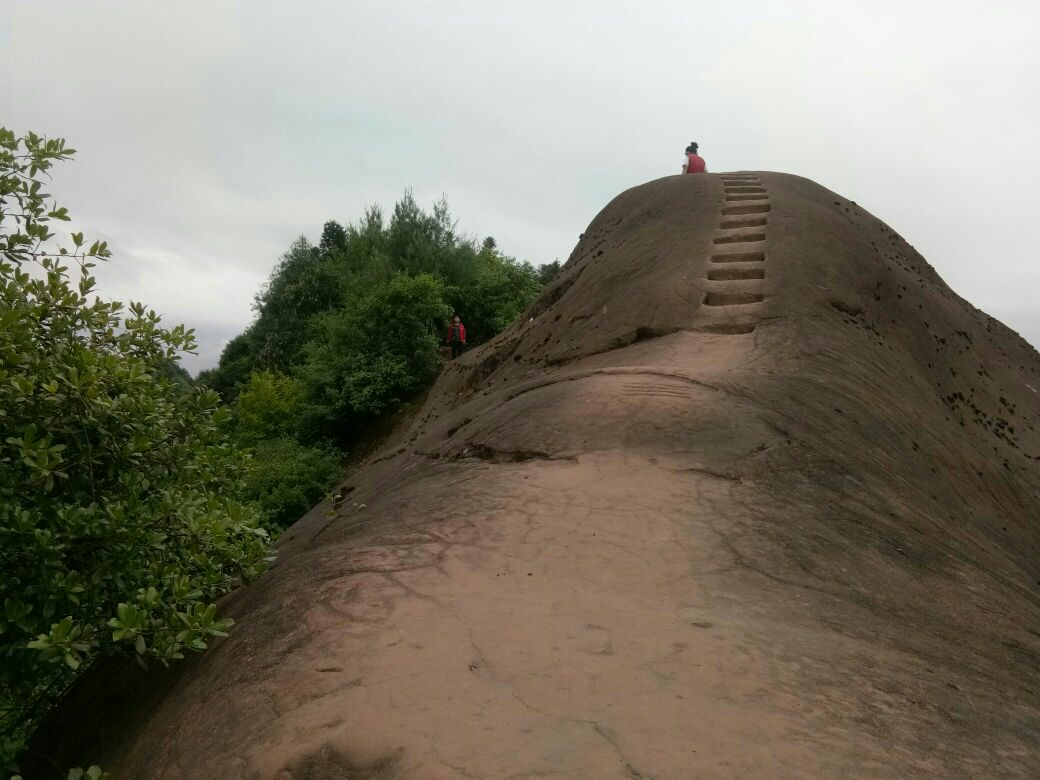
[751, 493]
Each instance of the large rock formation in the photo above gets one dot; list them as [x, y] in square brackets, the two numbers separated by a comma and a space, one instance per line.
[749, 492]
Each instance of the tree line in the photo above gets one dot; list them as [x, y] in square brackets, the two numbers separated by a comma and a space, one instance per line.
[347, 331]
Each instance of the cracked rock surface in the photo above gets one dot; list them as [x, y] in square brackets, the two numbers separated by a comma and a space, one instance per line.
[683, 520]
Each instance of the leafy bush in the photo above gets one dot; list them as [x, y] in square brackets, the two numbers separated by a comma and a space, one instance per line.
[121, 519]
[379, 350]
[501, 290]
[287, 478]
[237, 361]
[548, 272]
[268, 407]
[284, 476]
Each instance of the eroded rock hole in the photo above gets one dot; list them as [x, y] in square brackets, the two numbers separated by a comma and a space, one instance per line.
[730, 224]
[742, 238]
[731, 298]
[757, 208]
[846, 308]
[728, 328]
[739, 257]
[733, 274]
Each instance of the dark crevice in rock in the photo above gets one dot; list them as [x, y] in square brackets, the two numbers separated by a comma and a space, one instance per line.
[847, 308]
[642, 333]
[728, 328]
[492, 455]
[452, 431]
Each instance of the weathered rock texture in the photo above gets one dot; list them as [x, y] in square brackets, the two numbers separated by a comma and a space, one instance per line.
[751, 494]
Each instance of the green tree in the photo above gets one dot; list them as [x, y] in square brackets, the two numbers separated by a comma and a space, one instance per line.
[305, 284]
[286, 478]
[121, 519]
[283, 475]
[268, 407]
[379, 350]
[502, 288]
[548, 272]
[236, 363]
[428, 243]
[333, 239]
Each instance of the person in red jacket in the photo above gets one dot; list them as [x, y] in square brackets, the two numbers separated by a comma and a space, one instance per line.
[693, 163]
[456, 336]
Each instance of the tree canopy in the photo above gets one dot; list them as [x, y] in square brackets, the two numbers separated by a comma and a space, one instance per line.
[123, 515]
[370, 257]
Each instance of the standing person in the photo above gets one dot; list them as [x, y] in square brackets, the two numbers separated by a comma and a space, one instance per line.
[693, 163]
[456, 336]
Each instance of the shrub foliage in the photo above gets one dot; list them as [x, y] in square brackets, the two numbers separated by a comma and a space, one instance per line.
[121, 511]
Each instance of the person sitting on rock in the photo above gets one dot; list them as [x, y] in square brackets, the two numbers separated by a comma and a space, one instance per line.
[693, 163]
[456, 336]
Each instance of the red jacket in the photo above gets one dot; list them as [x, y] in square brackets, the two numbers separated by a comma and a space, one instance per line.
[462, 332]
[695, 163]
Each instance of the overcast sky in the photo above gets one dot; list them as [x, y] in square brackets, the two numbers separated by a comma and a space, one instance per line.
[211, 134]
